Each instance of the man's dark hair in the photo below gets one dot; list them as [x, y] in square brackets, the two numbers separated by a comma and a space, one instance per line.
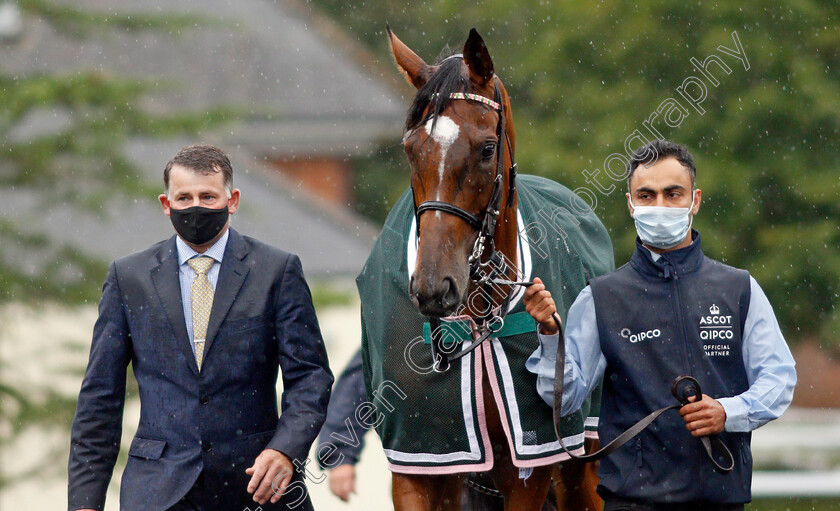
[202, 159]
[649, 153]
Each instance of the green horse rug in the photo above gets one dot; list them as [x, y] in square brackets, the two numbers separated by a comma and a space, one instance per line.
[434, 422]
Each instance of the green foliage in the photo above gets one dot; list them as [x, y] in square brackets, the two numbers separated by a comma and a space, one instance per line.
[584, 75]
[325, 296]
[64, 272]
[22, 412]
[795, 504]
[80, 23]
[379, 180]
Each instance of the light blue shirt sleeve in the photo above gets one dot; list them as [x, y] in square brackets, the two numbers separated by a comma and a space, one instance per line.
[584, 363]
[769, 365]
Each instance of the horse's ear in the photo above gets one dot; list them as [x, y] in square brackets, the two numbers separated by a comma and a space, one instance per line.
[416, 71]
[477, 59]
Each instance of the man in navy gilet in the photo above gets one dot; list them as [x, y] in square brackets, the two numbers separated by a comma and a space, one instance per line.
[670, 311]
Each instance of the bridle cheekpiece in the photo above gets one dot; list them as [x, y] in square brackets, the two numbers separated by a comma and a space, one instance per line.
[485, 225]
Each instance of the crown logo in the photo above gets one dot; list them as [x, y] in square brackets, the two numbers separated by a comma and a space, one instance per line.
[714, 309]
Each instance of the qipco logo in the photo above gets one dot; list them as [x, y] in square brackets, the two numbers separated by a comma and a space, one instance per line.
[641, 336]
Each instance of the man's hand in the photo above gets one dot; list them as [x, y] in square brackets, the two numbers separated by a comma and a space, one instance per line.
[342, 481]
[704, 417]
[540, 305]
[270, 464]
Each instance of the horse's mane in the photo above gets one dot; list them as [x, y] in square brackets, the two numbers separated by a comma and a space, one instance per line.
[446, 80]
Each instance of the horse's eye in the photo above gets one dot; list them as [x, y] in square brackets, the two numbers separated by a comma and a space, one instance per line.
[488, 151]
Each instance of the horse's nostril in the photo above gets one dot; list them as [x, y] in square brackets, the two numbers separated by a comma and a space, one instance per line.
[449, 293]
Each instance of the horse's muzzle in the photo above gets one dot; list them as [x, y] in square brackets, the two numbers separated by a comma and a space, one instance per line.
[438, 300]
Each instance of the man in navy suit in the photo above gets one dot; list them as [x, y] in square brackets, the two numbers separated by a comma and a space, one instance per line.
[205, 318]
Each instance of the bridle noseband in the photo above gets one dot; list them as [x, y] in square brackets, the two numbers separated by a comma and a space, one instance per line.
[485, 225]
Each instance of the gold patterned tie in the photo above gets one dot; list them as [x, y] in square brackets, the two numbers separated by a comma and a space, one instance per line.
[202, 302]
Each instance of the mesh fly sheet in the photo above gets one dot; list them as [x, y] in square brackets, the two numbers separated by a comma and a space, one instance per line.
[434, 423]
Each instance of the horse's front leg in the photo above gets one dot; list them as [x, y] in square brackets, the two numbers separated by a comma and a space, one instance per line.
[575, 483]
[426, 493]
[520, 494]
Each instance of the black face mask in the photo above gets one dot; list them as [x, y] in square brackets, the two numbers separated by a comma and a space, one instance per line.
[198, 225]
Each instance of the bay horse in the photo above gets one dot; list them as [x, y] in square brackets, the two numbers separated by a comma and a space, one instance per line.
[460, 148]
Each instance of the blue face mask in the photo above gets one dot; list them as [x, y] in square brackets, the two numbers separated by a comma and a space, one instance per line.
[662, 227]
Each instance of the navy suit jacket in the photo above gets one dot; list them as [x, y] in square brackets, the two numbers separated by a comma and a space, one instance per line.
[217, 420]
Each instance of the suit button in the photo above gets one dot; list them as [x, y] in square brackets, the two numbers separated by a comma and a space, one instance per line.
[206, 447]
[204, 400]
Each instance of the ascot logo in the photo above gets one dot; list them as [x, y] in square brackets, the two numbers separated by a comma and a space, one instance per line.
[716, 326]
[715, 319]
[641, 336]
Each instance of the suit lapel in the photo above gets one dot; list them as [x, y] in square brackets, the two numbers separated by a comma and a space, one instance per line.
[168, 286]
[231, 277]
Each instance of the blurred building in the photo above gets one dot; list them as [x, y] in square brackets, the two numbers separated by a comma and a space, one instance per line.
[307, 100]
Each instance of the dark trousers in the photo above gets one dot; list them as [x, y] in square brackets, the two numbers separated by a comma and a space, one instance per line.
[199, 499]
[616, 503]
[192, 500]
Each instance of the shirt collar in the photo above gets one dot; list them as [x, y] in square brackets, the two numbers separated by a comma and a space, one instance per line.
[217, 251]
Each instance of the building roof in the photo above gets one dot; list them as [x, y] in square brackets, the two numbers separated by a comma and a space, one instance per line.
[303, 89]
[331, 242]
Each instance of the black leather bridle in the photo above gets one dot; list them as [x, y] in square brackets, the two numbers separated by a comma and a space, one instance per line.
[486, 227]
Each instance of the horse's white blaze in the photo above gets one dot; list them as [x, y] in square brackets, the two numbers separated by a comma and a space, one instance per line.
[445, 134]
[446, 131]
